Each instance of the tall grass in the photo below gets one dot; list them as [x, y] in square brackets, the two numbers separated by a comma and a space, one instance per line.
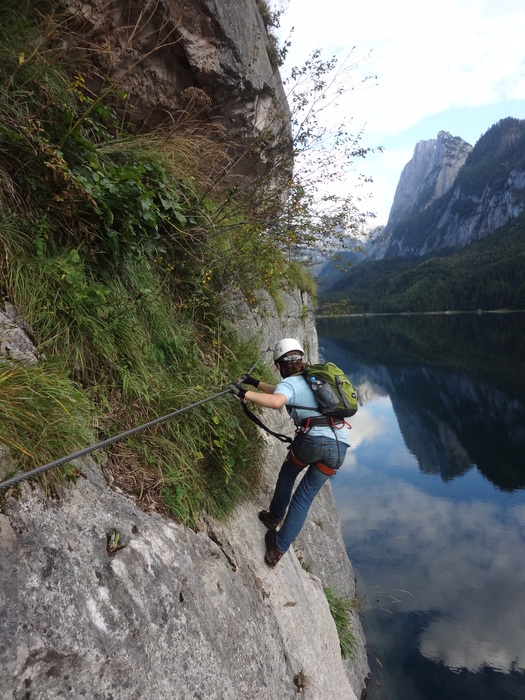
[43, 414]
[118, 251]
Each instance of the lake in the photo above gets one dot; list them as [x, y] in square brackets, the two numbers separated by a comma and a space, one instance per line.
[431, 499]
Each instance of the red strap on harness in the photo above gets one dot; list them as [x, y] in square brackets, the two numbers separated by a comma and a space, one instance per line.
[323, 421]
[324, 469]
[297, 461]
[341, 425]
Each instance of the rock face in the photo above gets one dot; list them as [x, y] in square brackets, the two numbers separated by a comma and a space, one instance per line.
[425, 178]
[14, 342]
[429, 175]
[449, 195]
[174, 613]
[182, 62]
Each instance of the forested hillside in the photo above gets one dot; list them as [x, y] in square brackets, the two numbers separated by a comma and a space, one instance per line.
[488, 274]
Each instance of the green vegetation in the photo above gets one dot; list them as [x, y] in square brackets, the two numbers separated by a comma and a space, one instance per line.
[341, 610]
[488, 163]
[43, 414]
[117, 250]
[122, 250]
[271, 18]
[488, 274]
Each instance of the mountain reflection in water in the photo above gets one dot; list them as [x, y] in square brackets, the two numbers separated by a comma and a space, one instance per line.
[432, 500]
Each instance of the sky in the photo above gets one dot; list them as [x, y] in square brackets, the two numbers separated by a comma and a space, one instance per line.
[452, 65]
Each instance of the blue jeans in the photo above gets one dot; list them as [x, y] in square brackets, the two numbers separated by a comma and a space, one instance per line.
[308, 450]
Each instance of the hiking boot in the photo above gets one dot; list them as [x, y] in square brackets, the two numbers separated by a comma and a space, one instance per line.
[272, 555]
[268, 520]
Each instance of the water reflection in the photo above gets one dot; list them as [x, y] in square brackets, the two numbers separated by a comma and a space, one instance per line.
[463, 566]
[450, 419]
[441, 560]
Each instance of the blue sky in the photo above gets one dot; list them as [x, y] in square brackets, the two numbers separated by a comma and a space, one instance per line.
[456, 66]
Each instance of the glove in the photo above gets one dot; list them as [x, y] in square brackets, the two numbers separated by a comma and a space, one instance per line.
[237, 390]
[247, 379]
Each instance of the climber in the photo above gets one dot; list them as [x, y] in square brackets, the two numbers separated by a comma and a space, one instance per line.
[319, 447]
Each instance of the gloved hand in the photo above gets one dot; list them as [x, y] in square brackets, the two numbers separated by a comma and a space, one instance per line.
[247, 379]
[237, 390]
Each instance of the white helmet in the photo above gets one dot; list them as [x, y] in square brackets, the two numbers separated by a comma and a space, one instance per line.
[286, 345]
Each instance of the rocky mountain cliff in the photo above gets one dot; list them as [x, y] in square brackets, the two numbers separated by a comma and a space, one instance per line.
[181, 62]
[429, 175]
[175, 613]
[451, 194]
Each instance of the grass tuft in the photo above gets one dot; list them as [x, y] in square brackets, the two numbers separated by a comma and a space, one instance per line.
[341, 610]
[43, 414]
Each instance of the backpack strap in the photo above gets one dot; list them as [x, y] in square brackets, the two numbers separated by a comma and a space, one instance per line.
[341, 392]
[315, 408]
[305, 408]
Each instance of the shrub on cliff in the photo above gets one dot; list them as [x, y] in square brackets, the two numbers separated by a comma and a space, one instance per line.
[105, 253]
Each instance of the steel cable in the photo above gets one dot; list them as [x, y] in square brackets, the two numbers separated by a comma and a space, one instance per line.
[99, 445]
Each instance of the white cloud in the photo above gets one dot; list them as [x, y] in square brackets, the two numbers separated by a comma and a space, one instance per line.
[463, 53]
[385, 169]
[460, 53]
[366, 426]
[464, 561]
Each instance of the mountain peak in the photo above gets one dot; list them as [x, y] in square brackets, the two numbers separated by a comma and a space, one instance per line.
[429, 174]
[450, 194]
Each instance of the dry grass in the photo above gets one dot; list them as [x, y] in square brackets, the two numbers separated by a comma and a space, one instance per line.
[190, 151]
[144, 482]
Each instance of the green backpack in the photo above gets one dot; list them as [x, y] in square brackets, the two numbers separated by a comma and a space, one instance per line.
[332, 389]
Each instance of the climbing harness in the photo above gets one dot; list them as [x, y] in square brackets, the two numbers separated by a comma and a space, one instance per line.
[323, 421]
[99, 445]
[329, 471]
[324, 469]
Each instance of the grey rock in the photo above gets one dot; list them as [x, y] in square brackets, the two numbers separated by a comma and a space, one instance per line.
[446, 200]
[266, 326]
[174, 613]
[187, 62]
[14, 341]
[428, 176]
[7, 464]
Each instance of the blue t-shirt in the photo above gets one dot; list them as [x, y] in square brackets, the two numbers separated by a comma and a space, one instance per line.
[298, 392]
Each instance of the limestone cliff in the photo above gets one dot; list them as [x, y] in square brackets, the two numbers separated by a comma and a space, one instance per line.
[429, 174]
[425, 178]
[175, 613]
[186, 62]
[451, 194]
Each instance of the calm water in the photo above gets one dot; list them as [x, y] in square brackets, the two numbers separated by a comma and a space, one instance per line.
[432, 501]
